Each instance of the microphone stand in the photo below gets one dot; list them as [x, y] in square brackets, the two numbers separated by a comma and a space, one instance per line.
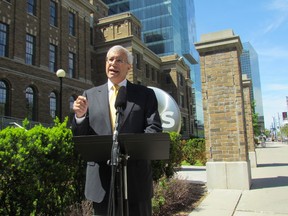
[121, 170]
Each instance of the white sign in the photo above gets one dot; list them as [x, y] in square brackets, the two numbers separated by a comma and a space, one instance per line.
[169, 111]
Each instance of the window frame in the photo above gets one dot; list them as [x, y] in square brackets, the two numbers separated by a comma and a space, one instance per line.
[4, 32]
[30, 49]
[31, 7]
[4, 104]
[53, 105]
[52, 57]
[71, 64]
[71, 103]
[53, 14]
[30, 96]
[72, 22]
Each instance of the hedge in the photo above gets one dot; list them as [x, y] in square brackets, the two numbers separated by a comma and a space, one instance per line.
[40, 173]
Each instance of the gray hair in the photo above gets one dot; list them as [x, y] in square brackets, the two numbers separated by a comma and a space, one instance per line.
[118, 48]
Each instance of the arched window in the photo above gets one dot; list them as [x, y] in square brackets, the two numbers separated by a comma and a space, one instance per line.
[30, 103]
[71, 101]
[53, 104]
[4, 99]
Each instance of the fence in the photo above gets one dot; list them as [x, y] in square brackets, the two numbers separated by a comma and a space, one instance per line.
[6, 121]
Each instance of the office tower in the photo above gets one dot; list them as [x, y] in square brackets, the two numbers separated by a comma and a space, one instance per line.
[168, 27]
[250, 66]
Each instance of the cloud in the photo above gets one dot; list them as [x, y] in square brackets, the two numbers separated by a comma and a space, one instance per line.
[276, 23]
[280, 7]
[273, 52]
[277, 87]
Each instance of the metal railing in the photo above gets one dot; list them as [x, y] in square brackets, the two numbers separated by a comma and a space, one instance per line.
[6, 121]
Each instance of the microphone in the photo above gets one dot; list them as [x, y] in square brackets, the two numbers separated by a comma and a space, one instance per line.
[121, 99]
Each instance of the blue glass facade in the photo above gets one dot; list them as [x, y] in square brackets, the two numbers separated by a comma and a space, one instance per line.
[168, 27]
[250, 66]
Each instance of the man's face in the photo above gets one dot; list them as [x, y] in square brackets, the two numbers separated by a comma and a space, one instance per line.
[117, 66]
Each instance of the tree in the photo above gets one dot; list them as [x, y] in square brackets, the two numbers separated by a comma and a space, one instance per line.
[267, 132]
[256, 129]
[284, 130]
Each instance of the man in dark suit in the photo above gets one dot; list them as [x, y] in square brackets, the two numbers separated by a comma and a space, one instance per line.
[92, 116]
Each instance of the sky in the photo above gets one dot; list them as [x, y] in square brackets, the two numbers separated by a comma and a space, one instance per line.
[264, 24]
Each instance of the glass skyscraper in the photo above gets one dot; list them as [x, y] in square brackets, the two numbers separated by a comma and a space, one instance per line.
[168, 27]
[250, 66]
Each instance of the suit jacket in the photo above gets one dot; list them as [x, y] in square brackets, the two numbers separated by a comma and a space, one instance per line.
[140, 116]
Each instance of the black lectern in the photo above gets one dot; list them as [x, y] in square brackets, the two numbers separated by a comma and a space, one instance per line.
[146, 146]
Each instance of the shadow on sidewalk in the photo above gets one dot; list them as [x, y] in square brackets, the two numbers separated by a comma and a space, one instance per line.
[272, 165]
[266, 147]
[192, 169]
[260, 183]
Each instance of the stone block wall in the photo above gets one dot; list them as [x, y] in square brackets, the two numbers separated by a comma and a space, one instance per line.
[223, 102]
[247, 85]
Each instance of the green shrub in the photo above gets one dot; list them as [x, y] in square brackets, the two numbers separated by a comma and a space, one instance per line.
[39, 171]
[194, 151]
[256, 140]
[40, 174]
[172, 194]
[167, 167]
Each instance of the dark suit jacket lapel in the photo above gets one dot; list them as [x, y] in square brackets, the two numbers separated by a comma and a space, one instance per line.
[130, 104]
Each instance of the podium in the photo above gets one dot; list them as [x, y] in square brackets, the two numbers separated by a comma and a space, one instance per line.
[144, 146]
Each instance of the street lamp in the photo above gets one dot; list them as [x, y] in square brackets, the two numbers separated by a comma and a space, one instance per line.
[60, 74]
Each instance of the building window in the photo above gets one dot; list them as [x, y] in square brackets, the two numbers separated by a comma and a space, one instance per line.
[181, 80]
[30, 49]
[91, 36]
[153, 74]
[3, 40]
[53, 13]
[71, 23]
[182, 104]
[31, 7]
[91, 22]
[91, 63]
[158, 76]
[53, 104]
[30, 104]
[4, 99]
[52, 57]
[138, 62]
[71, 69]
[184, 123]
[168, 79]
[147, 71]
[71, 102]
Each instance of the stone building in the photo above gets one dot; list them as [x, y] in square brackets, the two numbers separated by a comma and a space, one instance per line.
[40, 37]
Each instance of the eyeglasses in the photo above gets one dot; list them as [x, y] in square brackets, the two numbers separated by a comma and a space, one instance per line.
[116, 60]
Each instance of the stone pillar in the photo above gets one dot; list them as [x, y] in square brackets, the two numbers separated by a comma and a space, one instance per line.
[247, 88]
[228, 165]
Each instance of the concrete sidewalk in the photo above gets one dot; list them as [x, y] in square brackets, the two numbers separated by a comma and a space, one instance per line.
[268, 195]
